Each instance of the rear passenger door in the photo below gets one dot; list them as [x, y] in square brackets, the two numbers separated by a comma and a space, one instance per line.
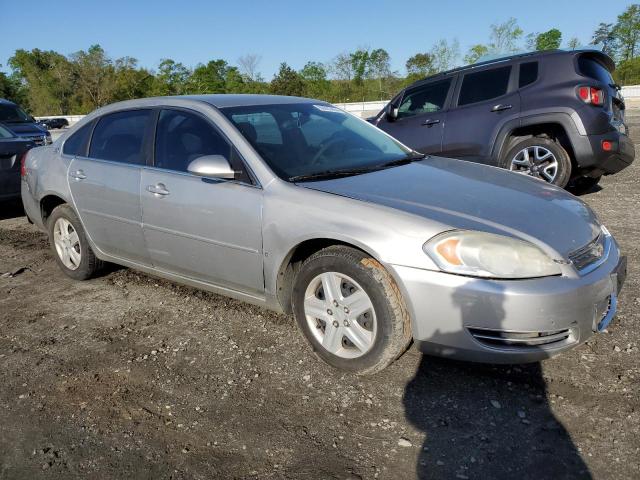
[105, 182]
[421, 116]
[484, 101]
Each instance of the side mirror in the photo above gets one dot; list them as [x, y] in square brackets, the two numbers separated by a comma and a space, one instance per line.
[391, 111]
[215, 166]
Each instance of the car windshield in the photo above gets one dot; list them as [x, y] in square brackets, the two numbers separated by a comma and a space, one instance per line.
[13, 114]
[309, 141]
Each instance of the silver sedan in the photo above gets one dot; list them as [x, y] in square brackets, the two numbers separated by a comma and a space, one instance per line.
[294, 205]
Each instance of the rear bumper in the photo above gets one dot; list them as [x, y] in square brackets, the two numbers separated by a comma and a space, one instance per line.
[601, 162]
[509, 321]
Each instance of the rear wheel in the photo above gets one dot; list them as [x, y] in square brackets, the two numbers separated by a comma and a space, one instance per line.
[69, 244]
[350, 310]
[539, 157]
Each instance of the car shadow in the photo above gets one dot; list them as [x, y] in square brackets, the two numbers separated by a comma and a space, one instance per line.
[486, 421]
[11, 209]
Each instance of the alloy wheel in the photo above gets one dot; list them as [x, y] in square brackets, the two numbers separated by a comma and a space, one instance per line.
[67, 243]
[536, 161]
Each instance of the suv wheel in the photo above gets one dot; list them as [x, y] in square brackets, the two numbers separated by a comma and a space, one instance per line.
[350, 310]
[539, 157]
[69, 244]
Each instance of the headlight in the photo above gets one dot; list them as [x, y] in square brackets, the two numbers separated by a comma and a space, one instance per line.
[480, 254]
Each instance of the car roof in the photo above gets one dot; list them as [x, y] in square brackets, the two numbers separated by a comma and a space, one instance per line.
[8, 102]
[603, 57]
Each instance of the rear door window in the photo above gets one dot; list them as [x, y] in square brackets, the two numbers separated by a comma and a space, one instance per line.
[424, 99]
[485, 85]
[591, 68]
[528, 73]
[76, 144]
[119, 137]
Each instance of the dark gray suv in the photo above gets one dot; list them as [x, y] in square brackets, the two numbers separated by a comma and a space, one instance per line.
[556, 115]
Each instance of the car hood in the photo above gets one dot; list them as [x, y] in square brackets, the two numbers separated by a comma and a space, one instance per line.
[464, 195]
[24, 129]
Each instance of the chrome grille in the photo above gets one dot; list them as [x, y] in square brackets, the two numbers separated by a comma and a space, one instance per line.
[520, 340]
[589, 254]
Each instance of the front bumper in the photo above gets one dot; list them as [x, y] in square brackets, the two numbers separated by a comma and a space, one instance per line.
[512, 321]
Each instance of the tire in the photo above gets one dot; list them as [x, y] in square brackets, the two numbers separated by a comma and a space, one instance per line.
[386, 325]
[581, 185]
[81, 265]
[561, 172]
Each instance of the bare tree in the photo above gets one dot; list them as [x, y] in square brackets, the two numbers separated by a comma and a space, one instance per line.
[249, 66]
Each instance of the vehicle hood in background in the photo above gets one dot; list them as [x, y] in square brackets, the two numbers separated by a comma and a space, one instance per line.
[26, 129]
[471, 196]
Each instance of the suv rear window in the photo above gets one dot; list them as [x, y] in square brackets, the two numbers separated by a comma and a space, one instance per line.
[119, 137]
[528, 73]
[590, 67]
[480, 86]
[76, 144]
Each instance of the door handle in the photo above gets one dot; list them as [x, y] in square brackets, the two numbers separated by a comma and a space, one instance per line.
[430, 123]
[78, 175]
[158, 190]
[500, 107]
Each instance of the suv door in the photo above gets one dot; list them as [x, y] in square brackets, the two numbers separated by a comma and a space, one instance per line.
[484, 101]
[202, 228]
[421, 116]
[105, 184]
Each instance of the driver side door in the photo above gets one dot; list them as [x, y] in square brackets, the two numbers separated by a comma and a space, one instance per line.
[422, 113]
[201, 228]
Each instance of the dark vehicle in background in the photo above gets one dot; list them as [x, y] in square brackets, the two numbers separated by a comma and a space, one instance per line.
[54, 123]
[556, 115]
[22, 124]
[12, 149]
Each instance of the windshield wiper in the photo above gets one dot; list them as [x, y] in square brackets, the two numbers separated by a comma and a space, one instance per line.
[347, 172]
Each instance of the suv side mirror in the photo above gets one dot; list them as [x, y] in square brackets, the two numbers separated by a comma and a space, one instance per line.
[391, 112]
[214, 166]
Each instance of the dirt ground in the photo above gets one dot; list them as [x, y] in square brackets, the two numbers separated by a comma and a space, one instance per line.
[127, 376]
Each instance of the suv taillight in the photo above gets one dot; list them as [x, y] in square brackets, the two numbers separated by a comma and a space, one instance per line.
[23, 167]
[592, 95]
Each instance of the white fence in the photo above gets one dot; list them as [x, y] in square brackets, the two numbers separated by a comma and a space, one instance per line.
[631, 91]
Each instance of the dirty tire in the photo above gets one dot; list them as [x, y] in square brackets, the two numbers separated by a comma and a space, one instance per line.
[564, 161]
[89, 263]
[393, 322]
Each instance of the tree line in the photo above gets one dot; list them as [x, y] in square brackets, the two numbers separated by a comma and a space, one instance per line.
[50, 83]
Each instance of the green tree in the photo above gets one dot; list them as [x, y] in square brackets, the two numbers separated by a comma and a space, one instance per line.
[359, 65]
[209, 78]
[573, 43]
[380, 69]
[171, 78]
[48, 79]
[95, 77]
[314, 75]
[130, 81]
[628, 72]
[549, 40]
[444, 55]
[504, 37]
[287, 82]
[605, 36]
[627, 32]
[419, 66]
[475, 53]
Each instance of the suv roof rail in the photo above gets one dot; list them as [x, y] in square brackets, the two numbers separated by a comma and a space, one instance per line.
[498, 58]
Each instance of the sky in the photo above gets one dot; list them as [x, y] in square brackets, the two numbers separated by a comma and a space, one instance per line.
[195, 31]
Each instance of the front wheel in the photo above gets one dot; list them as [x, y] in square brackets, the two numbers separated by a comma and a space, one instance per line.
[350, 310]
[539, 157]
